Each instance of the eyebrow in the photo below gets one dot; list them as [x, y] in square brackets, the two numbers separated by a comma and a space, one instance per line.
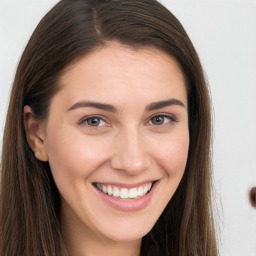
[113, 109]
[92, 104]
[164, 103]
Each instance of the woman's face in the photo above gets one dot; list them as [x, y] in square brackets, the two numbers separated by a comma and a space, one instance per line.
[117, 140]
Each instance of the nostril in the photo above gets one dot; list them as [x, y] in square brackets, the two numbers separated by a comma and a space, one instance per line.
[252, 196]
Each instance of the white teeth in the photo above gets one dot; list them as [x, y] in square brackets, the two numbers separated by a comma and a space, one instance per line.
[109, 190]
[133, 193]
[116, 192]
[140, 191]
[145, 190]
[124, 193]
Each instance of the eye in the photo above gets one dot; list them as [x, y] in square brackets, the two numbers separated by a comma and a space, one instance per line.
[161, 120]
[93, 121]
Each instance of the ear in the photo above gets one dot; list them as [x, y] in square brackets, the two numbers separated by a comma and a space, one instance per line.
[35, 132]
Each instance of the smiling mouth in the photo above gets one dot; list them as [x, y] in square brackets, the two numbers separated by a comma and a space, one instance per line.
[124, 193]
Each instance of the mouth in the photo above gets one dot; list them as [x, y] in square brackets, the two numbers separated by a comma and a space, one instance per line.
[125, 193]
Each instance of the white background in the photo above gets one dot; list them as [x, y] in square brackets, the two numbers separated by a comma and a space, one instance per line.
[224, 34]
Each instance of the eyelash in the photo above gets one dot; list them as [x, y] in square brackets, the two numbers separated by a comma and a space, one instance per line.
[171, 118]
[84, 121]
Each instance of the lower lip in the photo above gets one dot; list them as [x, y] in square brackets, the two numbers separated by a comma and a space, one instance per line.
[131, 205]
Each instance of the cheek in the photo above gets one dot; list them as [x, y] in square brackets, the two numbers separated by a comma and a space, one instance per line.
[173, 153]
[74, 154]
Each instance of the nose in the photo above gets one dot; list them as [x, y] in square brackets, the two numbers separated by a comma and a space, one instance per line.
[130, 153]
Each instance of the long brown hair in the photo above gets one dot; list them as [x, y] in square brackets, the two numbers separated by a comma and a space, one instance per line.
[29, 199]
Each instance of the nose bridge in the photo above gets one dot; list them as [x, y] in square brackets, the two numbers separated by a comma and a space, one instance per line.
[130, 151]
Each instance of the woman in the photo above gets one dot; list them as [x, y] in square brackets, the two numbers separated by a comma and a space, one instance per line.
[106, 147]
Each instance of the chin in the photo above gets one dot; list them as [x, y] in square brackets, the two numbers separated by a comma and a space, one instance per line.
[128, 231]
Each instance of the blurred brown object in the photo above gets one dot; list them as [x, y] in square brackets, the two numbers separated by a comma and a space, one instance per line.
[252, 195]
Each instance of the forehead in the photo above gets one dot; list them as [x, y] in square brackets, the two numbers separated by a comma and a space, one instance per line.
[115, 72]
